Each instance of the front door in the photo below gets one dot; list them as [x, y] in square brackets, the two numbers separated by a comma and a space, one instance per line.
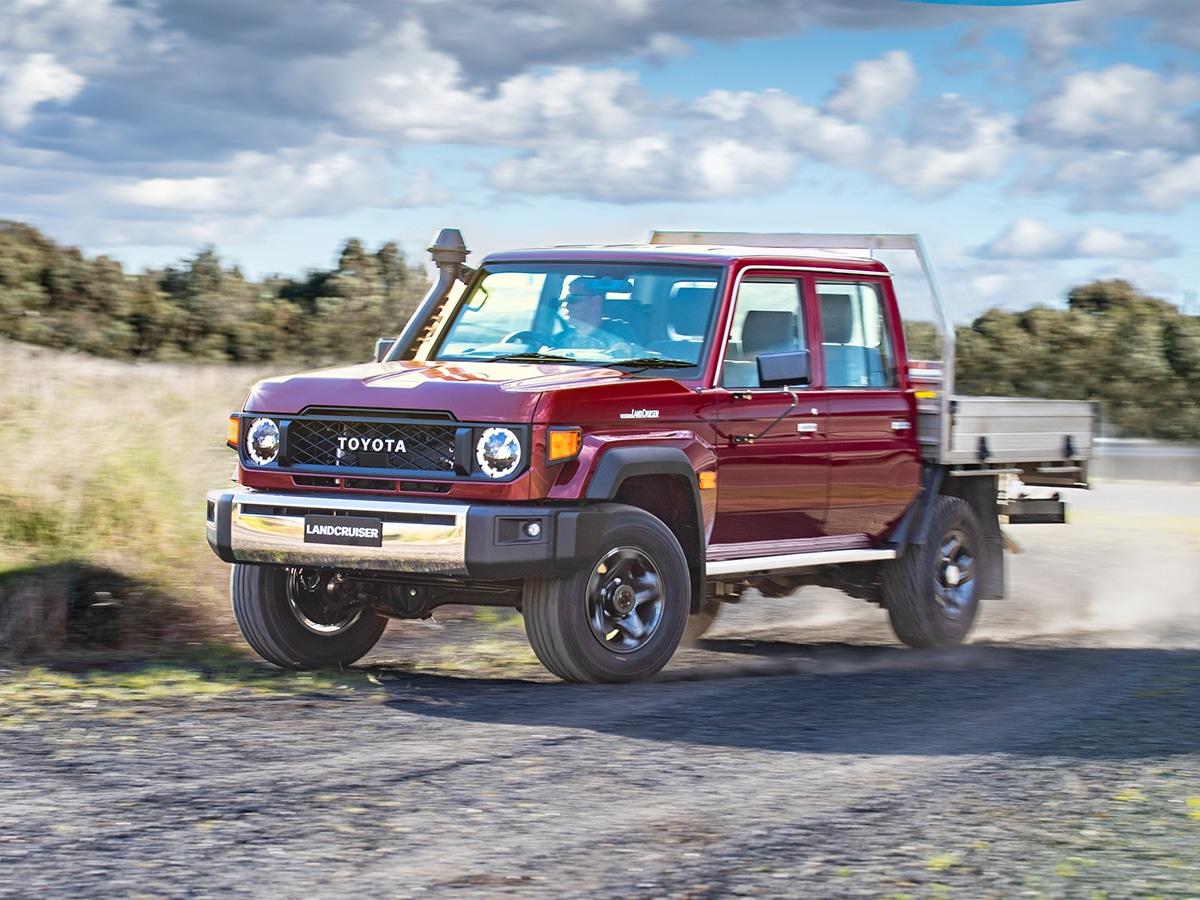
[773, 465]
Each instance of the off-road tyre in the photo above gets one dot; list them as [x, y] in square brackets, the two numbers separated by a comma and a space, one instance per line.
[698, 623]
[274, 632]
[911, 585]
[559, 615]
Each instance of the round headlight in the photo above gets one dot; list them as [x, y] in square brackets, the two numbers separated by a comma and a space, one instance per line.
[498, 452]
[262, 441]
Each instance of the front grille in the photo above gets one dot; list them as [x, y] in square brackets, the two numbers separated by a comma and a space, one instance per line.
[371, 445]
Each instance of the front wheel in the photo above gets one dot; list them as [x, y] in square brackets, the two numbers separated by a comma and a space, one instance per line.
[300, 619]
[621, 617]
[932, 592]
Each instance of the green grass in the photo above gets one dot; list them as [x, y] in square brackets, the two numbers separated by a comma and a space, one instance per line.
[38, 694]
[105, 464]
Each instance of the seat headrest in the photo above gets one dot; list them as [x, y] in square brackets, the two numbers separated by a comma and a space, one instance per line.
[689, 309]
[769, 331]
[837, 318]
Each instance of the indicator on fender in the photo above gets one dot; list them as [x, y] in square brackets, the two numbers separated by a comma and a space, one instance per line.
[563, 444]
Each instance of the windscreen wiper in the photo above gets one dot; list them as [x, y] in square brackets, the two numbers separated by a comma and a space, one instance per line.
[651, 362]
[530, 357]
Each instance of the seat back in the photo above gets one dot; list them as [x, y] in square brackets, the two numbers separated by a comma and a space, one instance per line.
[769, 331]
[847, 364]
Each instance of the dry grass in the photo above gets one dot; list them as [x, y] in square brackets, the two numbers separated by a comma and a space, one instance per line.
[105, 464]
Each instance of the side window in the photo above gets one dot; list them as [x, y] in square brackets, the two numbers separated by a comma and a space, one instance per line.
[767, 318]
[857, 342]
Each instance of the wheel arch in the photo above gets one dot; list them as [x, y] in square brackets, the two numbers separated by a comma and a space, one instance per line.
[981, 493]
[662, 482]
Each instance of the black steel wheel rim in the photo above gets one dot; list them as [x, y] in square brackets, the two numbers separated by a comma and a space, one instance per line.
[625, 600]
[954, 579]
[318, 603]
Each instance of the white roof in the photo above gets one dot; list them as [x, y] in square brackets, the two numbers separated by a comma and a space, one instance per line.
[722, 250]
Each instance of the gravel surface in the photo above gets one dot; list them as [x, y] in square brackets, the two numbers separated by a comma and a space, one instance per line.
[799, 751]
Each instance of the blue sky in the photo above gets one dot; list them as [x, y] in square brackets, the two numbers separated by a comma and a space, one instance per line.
[1034, 147]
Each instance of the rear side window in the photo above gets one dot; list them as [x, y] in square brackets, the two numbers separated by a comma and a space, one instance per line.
[767, 318]
[857, 342]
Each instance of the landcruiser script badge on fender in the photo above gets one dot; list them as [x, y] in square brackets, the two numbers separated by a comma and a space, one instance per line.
[640, 414]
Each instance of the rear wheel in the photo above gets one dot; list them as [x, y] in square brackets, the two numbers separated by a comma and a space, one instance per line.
[300, 618]
[932, 592]
[620, 618]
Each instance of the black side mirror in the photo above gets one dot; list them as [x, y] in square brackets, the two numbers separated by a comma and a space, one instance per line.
[383, 346]
[784, 369]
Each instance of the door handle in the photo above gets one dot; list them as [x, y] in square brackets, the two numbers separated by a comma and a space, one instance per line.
[806, 427]
[901, 425]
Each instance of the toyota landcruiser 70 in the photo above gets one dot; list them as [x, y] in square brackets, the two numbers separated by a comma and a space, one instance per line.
[615, 440]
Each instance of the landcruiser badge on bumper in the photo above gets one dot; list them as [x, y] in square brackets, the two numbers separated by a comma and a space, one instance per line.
[353, 531]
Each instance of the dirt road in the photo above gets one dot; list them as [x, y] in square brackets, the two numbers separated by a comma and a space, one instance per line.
[798, 752]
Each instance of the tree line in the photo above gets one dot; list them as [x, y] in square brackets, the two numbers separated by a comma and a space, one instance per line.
[1138, 355]
[201, 308]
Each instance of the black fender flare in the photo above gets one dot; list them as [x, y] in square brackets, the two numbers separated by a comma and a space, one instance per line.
[980, 492]
[621, 463]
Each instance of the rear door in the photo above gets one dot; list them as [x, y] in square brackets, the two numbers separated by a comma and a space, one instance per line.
[773, 462]
[872, 442]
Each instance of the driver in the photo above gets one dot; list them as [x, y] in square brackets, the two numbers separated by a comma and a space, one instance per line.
[586, 325]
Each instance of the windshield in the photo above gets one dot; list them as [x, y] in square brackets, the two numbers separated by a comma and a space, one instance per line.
[640, 315]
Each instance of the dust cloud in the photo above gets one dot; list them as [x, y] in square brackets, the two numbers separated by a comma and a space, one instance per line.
[1125, 572]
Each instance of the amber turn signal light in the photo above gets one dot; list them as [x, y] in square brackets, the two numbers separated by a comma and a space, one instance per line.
[563, 444]
[233, 431]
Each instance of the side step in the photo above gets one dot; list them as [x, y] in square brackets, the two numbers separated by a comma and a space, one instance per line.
[793, 562]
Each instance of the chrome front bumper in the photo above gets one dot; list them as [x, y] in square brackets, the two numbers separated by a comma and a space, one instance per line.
[486, 541]
[244, 525]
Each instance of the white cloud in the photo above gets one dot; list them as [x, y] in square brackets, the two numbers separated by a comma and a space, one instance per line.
[90, 33]
[1025, 238]
[967, 145]
[649, 167]
[1053, 32]
[1108, 243]
[1153, 179]
[235, 82]
[950, 142]
[38, 78]
[327, 178]
[1122, 106]
[422, 95]
[784, 121]
[49, 49]
[1174, 186]
[875, 87]
[1029, 238]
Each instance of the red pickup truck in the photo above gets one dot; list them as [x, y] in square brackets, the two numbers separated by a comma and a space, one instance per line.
[613, 439]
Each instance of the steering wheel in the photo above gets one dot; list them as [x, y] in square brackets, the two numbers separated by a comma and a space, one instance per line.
[526, 336]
